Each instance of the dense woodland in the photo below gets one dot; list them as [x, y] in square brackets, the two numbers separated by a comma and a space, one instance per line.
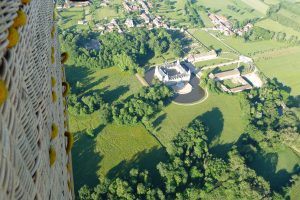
[128, 51]
[192, 172]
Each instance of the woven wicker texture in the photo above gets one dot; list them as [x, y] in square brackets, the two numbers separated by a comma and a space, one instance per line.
[28, 112]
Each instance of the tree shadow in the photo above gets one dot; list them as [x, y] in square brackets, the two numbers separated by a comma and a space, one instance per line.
[214, 121]
[94, 83]
[114, 94]
[85, 161]
[145, 160]
[265, 164]
[159, 120]
[74, 74]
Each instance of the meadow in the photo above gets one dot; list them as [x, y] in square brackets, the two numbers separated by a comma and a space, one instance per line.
[282, 64]
[277, 27]
[257, 5]
[222, 114]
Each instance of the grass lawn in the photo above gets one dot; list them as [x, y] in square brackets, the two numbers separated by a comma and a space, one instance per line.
[115, 148]
[295, 194]
[113, 151]
[221, 7]
[282, 64]
[276, 167]
[221, 113]
[277, 27]
[208, 40]
[250, 48]
[70, 17]
[257, 5]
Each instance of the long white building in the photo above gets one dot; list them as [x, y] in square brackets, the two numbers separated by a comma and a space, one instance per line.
[35, 159]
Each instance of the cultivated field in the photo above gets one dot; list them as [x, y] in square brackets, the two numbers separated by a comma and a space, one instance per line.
[277, 27]
[221, 113]
[282, 64]
[257, 5]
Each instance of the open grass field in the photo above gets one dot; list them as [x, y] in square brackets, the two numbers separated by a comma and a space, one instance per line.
[257, 5]
[276, 167]
[208, 40]
[277, 27]
[251, 48]
[221, 113]
[222, 8]
[114, 148]
[69, 18]
[112, 152]
[282, 64]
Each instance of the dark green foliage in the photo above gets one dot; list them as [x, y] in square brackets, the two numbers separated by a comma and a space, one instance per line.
[141, 106]
[127, 51]
[85, 104]
[266, 104]
[190, 173]
[191, 10]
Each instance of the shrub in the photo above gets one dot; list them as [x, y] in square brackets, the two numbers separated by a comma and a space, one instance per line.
[13, 37]
[3, 92]
[53, 81]
[54, 131]
[53, 32]
[52, 156]
[70, 141]
[54, 97]
[20, 20]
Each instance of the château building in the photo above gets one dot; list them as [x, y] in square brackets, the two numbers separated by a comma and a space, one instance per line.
[35, 158]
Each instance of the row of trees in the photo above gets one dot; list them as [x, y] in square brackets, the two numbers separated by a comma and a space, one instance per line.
[191, 172]
[191, 10]
[259, 33]
[128, 51]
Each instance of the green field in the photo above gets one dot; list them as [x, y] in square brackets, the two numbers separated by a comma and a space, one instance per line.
[69, 18]
[277, 27]
[221, 7]
[221, 113]
[113, 151]
[282, 64]
[257, 5]
[251, 48]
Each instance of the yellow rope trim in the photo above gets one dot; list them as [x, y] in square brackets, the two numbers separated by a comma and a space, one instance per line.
[70, 141]
[54, 131]
[52, 156]
[13, 37]
[54, 97]
[25, 1]
[53, 81]
[20, 20]
[3, 92]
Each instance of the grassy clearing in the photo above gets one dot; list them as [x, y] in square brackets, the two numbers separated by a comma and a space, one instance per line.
[282, 64]
[221, 113]
[70, 17]
[115, 148]
[276, 167]
[221, 7]
[277, 27]
[257, 5]
[208, 40]
[113, 152]
[251, 48]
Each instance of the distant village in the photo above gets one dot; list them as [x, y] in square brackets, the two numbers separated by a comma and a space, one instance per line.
[223, 25]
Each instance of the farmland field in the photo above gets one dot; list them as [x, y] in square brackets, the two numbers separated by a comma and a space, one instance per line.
[257, 5]
[224, 119]
[277, 27]
[282, 64]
